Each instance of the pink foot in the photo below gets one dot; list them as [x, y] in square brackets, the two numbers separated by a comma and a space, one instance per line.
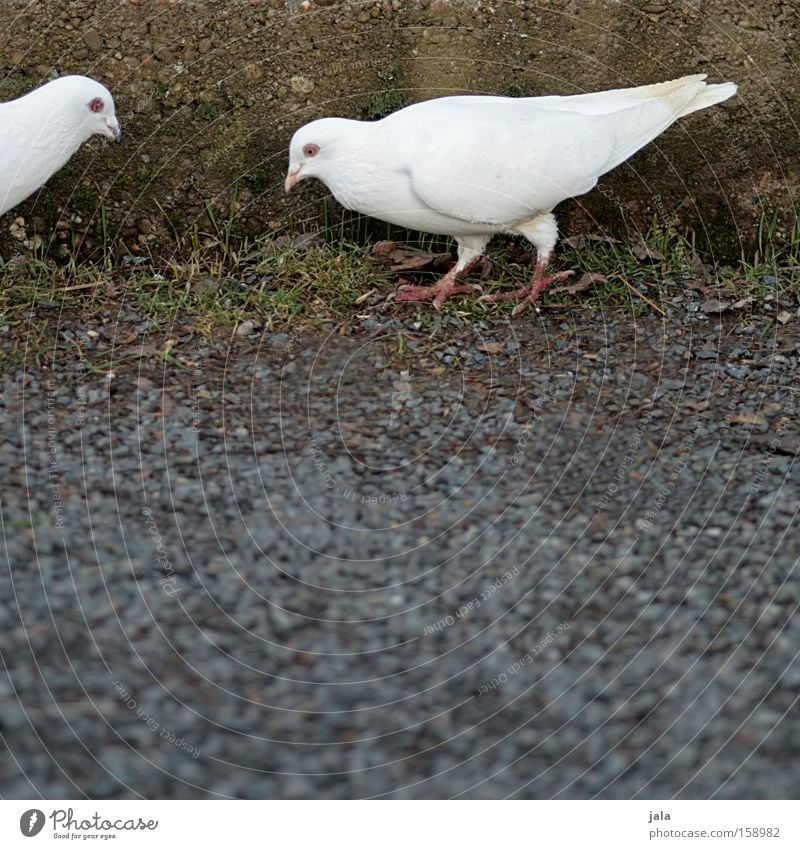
[438, 293]
[527, 294]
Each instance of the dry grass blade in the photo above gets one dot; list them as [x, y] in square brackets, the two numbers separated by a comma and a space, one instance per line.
[85, 286]
[644, 297]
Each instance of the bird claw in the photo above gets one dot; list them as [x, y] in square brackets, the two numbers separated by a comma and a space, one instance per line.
[528, 294]
[466, 288]
[438, 294]
[407, 292]
[502, 296]
[523, 305]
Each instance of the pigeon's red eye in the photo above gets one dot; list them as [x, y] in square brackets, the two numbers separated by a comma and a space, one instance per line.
[311, 150]
[96, 105]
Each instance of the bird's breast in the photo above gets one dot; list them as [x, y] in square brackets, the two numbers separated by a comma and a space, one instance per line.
[389, 197]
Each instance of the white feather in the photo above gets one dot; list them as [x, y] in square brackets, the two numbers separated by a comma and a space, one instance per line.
[470, 167]
[42, 130]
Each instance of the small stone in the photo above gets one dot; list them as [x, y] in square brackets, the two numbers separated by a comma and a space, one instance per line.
[253, 72]
[301, 85]
[246, 328]
[735, 372]
[714, 305]
[93, 40]
[163, 53]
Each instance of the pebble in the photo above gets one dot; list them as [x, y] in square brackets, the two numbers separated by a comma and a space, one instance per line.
[331, 562]
[246, 328]
[301, 85]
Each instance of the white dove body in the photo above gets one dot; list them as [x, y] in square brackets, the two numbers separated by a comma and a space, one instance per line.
[41, 131]
[473, 166]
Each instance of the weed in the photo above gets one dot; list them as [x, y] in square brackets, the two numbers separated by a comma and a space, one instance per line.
[386, 100]
[215, 279]
[775, 266]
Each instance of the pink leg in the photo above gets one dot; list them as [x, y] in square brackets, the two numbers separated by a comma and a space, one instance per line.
[529, 294]
[441, 289]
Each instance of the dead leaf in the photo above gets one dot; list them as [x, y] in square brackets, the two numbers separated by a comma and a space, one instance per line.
[406, 259]
[585, 281]
[410, 261]
[744, 302]
[748, 418]
[700, 268]
[711, 288]
[697, 406]
[579, 241]
[490, 347]
[642, 251]
[486, 266]
[783, 316]
[381, 250]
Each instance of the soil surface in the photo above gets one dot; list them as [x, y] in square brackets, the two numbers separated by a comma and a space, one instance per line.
[549, 558]
[209, 99]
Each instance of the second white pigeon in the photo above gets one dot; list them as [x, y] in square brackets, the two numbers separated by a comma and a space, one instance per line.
[471, 167]
[41, 131]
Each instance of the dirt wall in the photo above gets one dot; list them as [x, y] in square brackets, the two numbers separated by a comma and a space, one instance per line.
[210, 93]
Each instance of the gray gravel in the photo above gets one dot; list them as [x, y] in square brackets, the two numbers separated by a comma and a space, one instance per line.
[553, 558]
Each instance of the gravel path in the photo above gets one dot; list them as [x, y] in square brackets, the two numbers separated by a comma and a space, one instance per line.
[553, 558]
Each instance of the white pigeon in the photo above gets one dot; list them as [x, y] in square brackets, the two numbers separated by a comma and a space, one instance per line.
[40, 132]
[474, 166]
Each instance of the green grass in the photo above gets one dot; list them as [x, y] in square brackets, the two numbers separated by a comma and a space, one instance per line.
[278, 287]
[777, 255]
[387, 99]
[216, 279]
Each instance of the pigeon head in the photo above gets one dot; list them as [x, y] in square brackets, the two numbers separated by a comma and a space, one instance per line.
[316, 148]
[77, 107]
[89, 104]
[40, 131]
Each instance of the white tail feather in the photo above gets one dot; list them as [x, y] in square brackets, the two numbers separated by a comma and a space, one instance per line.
[684, 95]
[708, 96]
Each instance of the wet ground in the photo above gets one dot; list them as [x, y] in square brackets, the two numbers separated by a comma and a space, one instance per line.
[550, 558]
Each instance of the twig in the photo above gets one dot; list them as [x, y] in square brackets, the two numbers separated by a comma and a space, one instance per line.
[644, 297]
[84, 286]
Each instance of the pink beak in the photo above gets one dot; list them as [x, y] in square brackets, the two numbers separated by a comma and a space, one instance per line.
[291, 178]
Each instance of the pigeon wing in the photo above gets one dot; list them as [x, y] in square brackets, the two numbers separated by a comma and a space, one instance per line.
[496, 161]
